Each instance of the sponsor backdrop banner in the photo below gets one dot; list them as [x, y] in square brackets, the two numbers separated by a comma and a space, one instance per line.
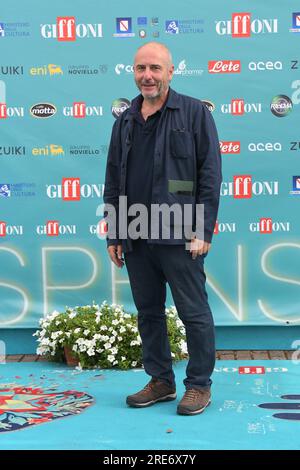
[66, 74]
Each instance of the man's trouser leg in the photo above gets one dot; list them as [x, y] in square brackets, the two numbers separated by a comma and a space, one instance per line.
[148, 286]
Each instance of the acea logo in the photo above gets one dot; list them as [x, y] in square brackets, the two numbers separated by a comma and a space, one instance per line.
[43, 110]
[281, 105]
[119, 106]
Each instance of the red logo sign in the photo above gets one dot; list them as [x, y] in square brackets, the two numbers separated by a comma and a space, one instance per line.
[224, 66]
[237, 106]
[216, 229]
[2, 229]
[230, 147]
[52, 228]
[241, 23]
[71, 189]
[3, 113]
[65, 28]
[252, 370]
[79, 109]
[102, 227]
[242, 186]
[265, 225]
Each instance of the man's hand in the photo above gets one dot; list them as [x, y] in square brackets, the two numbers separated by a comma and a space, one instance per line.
[115, 254]
[199, 247]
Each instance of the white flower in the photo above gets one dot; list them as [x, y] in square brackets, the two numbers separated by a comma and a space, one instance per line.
[107, 346]
[120, 338]
[103, 328]
[73, 314]
[114, 350]
[86, 332]
[134, 363]
[122, 329]
[91, 352]
[110, 358]
[77, 330]
[123, 358]
[115, 362]
[115, 322]
[183, 347]
[112, 339]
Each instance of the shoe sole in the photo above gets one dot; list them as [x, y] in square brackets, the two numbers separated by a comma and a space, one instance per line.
[152, 402]
[188, 413]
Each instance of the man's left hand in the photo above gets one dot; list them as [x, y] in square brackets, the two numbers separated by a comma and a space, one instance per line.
[199, 247]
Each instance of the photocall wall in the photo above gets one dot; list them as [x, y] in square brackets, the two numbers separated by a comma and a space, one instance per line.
[66, 75]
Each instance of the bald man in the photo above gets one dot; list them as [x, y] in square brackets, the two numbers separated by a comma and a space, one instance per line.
[164, 150]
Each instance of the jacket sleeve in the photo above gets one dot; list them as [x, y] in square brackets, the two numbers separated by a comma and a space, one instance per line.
[112, 183]
[209, 175]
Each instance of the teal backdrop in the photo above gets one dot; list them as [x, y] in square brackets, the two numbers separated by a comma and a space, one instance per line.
[65, 73]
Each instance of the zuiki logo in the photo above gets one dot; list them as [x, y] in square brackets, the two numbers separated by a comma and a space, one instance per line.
[224, 66]
[72, 190]
[281, 105]
[10, 230]
[12, 151]
[230, 147]
[124, 28]
[53, 228]
[43, 110]
[66, 29]
[51, 149]
[242, 26]
[243, 187]
[81, 110]
[50, 69]
[11, 69]
[119, 106]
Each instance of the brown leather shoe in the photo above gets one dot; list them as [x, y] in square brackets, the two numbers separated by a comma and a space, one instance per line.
[153, 392]
[194, 401]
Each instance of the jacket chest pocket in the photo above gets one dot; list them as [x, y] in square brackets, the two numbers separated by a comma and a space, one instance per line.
[181, 143]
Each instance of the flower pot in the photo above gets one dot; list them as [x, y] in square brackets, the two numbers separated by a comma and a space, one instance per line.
[71, 360]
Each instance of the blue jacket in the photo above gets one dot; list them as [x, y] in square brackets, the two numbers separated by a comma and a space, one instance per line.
[187, 161]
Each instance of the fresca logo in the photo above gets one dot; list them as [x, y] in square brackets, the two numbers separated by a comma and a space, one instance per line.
[50, 69]
[230, 147]
[242, 187]
[238, 107]
[281, 105]
[10, 112]
[296, 185]
[43, 110]
[71, 190]
[224, 66]
[266, 226]
[119, 106]
[80, 110]
[241, 26]
[10, 230]
[66, 29]
[296, 23]
[53, 228]
[124, 28]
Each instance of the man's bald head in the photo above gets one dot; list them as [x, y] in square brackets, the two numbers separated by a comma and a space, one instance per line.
[158, 47]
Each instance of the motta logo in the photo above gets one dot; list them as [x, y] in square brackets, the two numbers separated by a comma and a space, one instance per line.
[242, 187]
[242, 26]
[266, 225]
[53, 228]
[230, 147]
[238, 107]
[80, 110]
[10, 112]
[72, 190]
[66, 29]
[7, 230]
[221, 227]
[43, 110]
[224, 66]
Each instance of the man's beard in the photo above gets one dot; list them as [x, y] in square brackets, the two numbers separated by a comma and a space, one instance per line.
[156, 94]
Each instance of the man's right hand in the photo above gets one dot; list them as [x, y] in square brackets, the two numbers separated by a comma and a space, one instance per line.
[115, 254]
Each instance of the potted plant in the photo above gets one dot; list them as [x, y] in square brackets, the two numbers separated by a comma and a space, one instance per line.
[102, 336]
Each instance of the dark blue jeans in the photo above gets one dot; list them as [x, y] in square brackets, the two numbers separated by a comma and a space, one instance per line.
[150, 267]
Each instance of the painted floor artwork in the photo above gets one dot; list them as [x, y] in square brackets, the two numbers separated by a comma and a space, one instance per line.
[256, 405]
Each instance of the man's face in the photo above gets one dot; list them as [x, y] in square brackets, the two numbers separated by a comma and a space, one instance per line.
[152, 72]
